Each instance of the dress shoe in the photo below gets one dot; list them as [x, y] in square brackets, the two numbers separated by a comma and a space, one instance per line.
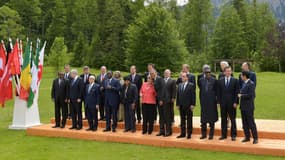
[63, 126]
[245, 140]
[133, 131]
[126, 130]
[181, 136]
[89, 129]
[114, 130]
[167, 134]
[160, 134]
[55, 127]
[94, 129]
[139, 121]
[189, 137]
[233, 138]
[78, 128]
[72, 128]
[149, 133]
[255, 141]
[211, 138]
[106, 130]
[222, 138]
[144, 132]
[203, 137]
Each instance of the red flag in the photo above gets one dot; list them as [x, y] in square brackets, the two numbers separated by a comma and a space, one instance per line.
[2, 59]
[6, 91]
[14, 60]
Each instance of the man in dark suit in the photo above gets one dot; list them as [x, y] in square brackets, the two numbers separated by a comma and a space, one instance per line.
[170, 97]
[100, 80]
[129, 97]
[85, 77]
[150, 67]
[228, 89]
[91, 100]
[59, 94]
[160, 88]
[247, 96]
[191, 77]
[186, 101]
[75, 98]
[252, 76]
[68, 78]
[208, 101]
[136, 79]
[111, 89]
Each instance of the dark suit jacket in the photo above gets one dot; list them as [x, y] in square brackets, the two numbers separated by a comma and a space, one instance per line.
[68, 77]
[137, 81]
[159, 86]
[76, 90]
[187, 97]
[131, 95]
[112, 96]
[99, 79]
[170, 89]
[191, 78]
[252, 77]
[86, 82]
[247, 96]
[146, 74]
[228, 94]
[202, 76]
[60, 92]
[92, 98]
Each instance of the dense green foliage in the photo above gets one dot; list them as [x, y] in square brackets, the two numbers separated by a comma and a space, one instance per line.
[102, 32]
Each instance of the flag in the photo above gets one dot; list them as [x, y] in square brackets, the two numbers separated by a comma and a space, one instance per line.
[41, 64]
[15, 61]
[34, 72]
[26, 78]
[2, 59]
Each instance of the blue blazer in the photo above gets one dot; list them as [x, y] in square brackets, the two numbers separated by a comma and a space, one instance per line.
[76, 89]
[112, 95]
[252, 77]
[92, 98]
[247, 96]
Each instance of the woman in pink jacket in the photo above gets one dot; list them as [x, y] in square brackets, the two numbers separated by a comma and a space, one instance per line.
[148, 95]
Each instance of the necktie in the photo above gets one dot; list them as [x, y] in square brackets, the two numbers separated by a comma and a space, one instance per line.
[90, 86]
[73, 81]
[85, 78]
[133, 78]
[227, 82]
[59, 81]
[65, 76]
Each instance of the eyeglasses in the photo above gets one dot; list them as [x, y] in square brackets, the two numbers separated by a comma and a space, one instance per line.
[207, 72]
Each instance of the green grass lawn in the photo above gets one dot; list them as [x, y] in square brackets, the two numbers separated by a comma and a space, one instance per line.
[270, 104]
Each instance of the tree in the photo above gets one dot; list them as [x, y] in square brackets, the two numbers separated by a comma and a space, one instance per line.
[10, 23]
[80, 49]
[30, 13]
[58, 54]
[196, 25]
[154, 38]
[227, 39]
[58, 23]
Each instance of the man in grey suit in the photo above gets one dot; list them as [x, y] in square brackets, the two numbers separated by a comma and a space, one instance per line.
[170, 94]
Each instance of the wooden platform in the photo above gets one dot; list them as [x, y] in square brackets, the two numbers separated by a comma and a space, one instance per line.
[274, 147]
[264, 131]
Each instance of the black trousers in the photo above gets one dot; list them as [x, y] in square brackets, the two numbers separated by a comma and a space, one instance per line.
[60, 110]
[138, 110]
[227, 110]
[101, 106]
[130, 119]
[186, 118]
[76, 113]
[111, 113]
[85, 110]
[204, 129]
[148, 112]
[92, 117]
[248, 124]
